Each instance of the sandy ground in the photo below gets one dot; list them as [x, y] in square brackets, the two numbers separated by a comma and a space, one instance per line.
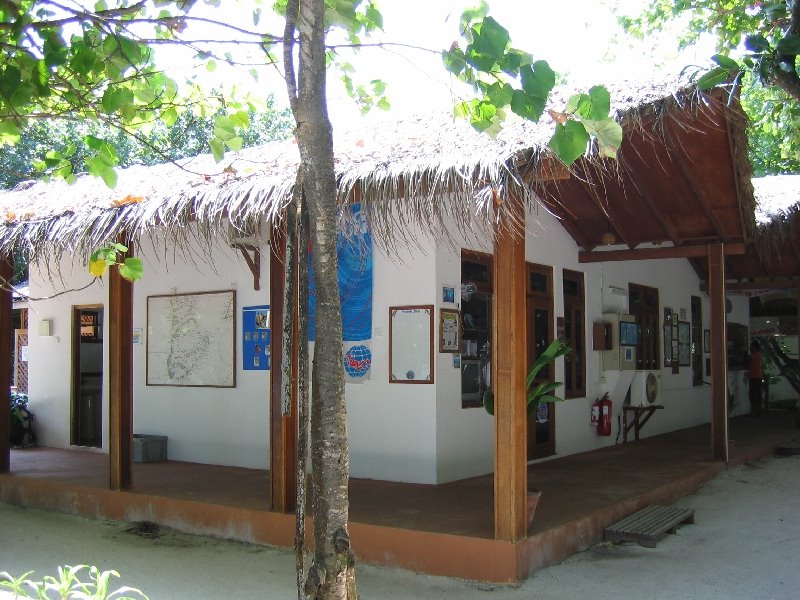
[745, 544]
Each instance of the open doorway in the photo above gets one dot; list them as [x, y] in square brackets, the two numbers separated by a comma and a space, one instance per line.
[87, 376]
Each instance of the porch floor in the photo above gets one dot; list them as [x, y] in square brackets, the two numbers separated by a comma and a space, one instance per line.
[440, 529]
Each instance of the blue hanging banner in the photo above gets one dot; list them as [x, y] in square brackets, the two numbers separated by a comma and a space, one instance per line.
[354, 252]
[256, 338]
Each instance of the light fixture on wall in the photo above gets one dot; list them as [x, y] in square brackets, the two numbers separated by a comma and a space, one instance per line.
[46, 327]
[608, 239]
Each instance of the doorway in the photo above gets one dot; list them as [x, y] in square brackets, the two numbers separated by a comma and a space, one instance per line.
[87, 376]
[539, 317]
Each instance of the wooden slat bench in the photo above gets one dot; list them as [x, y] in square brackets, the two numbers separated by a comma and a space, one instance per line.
[648, 525]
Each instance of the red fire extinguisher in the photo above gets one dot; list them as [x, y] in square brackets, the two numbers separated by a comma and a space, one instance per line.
[595, 412]
[604, 423]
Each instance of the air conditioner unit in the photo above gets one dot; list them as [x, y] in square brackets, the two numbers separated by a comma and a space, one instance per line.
[646, 388]
[249, 234]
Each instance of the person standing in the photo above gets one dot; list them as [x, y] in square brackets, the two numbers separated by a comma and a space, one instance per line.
[755, 375]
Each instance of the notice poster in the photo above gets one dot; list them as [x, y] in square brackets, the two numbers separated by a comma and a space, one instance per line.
[256, 338]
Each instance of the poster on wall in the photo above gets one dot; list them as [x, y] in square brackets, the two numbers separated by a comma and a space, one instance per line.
[191, 339]
[256, 338]
[354, 251]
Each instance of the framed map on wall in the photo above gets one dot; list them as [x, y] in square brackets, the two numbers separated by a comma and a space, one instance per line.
[191, 339]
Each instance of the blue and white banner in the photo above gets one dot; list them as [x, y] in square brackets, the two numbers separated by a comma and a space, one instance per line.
[354, 251]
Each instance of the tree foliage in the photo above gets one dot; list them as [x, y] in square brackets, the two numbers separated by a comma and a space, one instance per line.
[758, 43]
[58, 147]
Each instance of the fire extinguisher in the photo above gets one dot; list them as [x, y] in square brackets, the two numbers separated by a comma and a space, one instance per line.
[604, 422]
[595, 412]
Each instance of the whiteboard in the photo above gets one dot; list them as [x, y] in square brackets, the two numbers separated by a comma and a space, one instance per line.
[411, 344]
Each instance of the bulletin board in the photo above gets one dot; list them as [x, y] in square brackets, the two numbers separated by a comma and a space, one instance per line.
[256, 338]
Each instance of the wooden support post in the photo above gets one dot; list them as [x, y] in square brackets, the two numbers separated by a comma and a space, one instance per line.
[719, 353]
[6, 362]
[508, 378]
[283, 429]
[120, 377]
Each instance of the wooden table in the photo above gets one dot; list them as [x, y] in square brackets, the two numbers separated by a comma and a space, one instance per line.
[641, 415]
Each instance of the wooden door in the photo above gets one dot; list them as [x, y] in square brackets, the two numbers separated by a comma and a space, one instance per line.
[539, 317]
[87, 376]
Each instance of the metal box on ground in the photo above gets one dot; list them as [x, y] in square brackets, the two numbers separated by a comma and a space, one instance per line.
[149, 448]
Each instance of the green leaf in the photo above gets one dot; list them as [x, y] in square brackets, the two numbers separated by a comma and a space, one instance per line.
[169, 117]
[235, 143]
[116, 98]
[527, 106]
[109, 176]
[726, 62]
[9, 133]
[569, 141]
[601, 102]
[788, 45]
[55, 51]
[217, 148]
[132, 269]
[454, 60]
[538, 80]
[83, 62]
[10, 80]
[608, 134]
[712, 78]
[756, 43]
[500, 94]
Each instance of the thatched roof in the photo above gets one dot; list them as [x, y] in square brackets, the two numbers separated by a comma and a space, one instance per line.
[411, 170]
[776, 196]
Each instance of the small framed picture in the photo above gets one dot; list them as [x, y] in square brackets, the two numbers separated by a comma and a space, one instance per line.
[449, 331]
[448, 294]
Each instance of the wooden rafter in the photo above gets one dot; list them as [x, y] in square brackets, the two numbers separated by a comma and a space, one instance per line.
[679, 156]
[606, 208]
[254, 261]
[655, 253]
[783, 283]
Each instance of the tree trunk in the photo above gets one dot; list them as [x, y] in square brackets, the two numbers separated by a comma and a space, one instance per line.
[332, 574]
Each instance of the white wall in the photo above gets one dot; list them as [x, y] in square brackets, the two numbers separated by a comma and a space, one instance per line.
[226, 426]
[401, 432]
[392, 425]
[465, 437]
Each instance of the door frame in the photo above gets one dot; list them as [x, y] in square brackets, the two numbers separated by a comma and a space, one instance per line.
[75, 372]
[535, 299]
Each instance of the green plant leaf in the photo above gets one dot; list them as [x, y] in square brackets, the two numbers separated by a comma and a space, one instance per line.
[725, 62]
[132, 269]
[569, 141]
[608, 134]
[712, 78]
[756, 43]
[217, 148]
[788, 45]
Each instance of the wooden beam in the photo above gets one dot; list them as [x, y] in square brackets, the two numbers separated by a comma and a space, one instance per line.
[770, 284]
[679, 156]
[668, 227]
[719, 353]
[6, 359]
[120, 377]
[283, 429]
[508, 375]
[607, 208]
[655, 253]
[253, 262]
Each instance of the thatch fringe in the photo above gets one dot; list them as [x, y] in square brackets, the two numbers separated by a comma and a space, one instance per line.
[428, 174]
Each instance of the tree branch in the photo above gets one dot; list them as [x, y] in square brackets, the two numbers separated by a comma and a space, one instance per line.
[292, 7]
[785, 72]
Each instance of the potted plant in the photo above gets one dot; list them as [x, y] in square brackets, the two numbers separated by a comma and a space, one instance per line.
[537, 393]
